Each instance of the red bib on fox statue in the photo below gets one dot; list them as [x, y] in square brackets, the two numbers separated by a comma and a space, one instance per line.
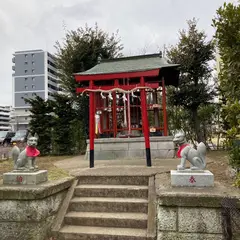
[180, 150]
[32, 151]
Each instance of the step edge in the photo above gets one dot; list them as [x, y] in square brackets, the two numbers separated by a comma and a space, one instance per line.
[82, 186]
[63, 230]
[139, 216]
[101, 199]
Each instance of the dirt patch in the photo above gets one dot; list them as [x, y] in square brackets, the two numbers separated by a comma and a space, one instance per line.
[218, 165]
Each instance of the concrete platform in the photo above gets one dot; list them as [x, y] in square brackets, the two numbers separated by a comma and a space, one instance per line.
[131, 148]
[25, 178]
[192, 178]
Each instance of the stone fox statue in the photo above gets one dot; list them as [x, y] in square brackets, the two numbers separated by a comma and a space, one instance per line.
[195, 156]
[25, 160]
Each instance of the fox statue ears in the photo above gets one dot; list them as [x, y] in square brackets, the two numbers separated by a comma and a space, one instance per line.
[30, 135]
[180, 132]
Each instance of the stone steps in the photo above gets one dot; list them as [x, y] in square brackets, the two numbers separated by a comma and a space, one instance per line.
[128, 191]
[100, 219]
[114, 180]
[102, 233]
[101, 204]
[107, 208]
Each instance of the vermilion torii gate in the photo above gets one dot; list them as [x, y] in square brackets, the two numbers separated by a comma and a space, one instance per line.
[122, 92]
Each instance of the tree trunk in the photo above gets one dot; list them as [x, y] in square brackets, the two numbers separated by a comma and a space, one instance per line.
[196, 123]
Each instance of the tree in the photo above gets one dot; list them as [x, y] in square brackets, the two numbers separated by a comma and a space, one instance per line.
[80, 51]
[41, 123]
[63, 141]
[209, 120]
[227, 25]
[193, 52]
[55, 121]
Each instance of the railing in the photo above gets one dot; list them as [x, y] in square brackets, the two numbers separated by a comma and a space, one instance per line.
[230, 218]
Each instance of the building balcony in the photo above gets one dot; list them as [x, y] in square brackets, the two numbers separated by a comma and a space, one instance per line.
[4, 113]
[20, 123]
[4, 123]
[4, 119]
[5, 108]
[4, 128]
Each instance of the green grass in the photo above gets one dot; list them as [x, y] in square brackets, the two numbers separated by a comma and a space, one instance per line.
[57, 173]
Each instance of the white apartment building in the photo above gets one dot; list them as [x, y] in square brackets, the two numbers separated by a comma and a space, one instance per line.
[5, 112]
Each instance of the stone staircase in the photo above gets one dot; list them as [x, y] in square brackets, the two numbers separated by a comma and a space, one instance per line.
[107, 207]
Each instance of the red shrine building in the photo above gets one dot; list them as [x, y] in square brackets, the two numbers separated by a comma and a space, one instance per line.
[127, 107]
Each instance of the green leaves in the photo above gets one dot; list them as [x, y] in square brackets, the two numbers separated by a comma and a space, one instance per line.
[41, 123]
[193, 52]
[58, 124]
[80, 50]
[227, 25]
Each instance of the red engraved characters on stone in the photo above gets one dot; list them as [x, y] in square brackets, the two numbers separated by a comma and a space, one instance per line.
[19, 179]
[192, 179]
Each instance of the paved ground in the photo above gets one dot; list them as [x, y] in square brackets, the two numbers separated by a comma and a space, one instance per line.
[79, 166]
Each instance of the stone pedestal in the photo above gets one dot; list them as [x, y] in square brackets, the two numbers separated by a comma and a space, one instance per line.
[131, 148]
[192, 178]
[25, 178]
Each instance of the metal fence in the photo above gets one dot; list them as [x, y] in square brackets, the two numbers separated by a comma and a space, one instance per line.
[230, 218]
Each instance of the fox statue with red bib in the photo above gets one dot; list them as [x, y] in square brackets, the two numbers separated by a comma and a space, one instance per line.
[25, 160]
[196, 157]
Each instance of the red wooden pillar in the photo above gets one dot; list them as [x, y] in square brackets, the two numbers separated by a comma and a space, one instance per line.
[115, 110]
[91, 125]
[164, 104]
[145, 124]
[96, 105]
[101, 115]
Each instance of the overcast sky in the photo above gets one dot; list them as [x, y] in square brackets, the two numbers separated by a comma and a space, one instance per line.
[142, 24]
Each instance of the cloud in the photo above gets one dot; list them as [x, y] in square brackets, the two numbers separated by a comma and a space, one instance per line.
[143, 25]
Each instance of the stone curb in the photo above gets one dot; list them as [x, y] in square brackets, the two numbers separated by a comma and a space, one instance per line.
[30, 192]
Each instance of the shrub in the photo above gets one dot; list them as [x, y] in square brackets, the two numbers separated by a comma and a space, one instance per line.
[237, 180]
[234, 154]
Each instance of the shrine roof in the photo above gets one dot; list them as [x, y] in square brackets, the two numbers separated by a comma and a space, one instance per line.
[129, 64]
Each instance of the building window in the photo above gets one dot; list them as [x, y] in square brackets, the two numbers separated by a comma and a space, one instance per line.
[26, 110]
[26, 87]
[33, 55]
[33, 79]
[26, 62]
[26, 70]
[26, 55]
[33, 70]
[26, 79]
[25, 94]
[33, 63]
[26, 118]
[33, 86]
